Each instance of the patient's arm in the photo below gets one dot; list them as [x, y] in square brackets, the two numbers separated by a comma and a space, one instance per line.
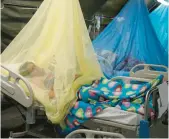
[77, 76]
[51, 94]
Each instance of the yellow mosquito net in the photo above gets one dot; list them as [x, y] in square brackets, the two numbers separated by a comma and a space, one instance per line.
[55, 54]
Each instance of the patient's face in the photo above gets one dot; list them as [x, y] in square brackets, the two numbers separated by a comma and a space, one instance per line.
[30, 67]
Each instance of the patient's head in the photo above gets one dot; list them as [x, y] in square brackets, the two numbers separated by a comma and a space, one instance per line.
[29, 68]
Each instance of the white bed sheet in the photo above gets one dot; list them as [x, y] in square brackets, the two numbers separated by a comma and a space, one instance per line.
[116, 115]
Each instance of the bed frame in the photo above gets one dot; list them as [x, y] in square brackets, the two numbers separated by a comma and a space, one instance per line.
[93, 133]
[148, 71]
[13, 90]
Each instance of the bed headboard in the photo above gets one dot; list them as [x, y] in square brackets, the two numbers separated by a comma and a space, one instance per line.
[11, 87]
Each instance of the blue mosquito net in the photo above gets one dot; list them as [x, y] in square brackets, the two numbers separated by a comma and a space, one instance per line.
[159, 19]
[129, 40]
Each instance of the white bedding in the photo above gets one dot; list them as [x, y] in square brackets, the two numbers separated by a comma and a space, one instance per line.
[116, 115]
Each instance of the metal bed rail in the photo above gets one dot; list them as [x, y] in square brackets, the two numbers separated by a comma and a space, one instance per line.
[154, 92]
[13, 88]
[93, 133]
[148, 71]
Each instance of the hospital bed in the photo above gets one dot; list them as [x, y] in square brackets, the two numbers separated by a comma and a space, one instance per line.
[110, 117]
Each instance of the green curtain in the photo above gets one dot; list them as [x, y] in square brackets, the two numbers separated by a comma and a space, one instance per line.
[14, 15]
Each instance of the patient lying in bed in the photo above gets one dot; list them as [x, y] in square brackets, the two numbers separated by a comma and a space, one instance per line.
[93, 98]
[29, 69]
[35, 73]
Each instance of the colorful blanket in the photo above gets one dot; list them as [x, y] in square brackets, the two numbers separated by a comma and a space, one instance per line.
[105, 93]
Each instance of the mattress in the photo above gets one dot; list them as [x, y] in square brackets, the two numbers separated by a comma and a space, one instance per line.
[113, 114]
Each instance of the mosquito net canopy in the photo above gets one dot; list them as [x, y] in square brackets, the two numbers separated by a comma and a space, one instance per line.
[159, 19]
[129, 40]
[55, 54]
